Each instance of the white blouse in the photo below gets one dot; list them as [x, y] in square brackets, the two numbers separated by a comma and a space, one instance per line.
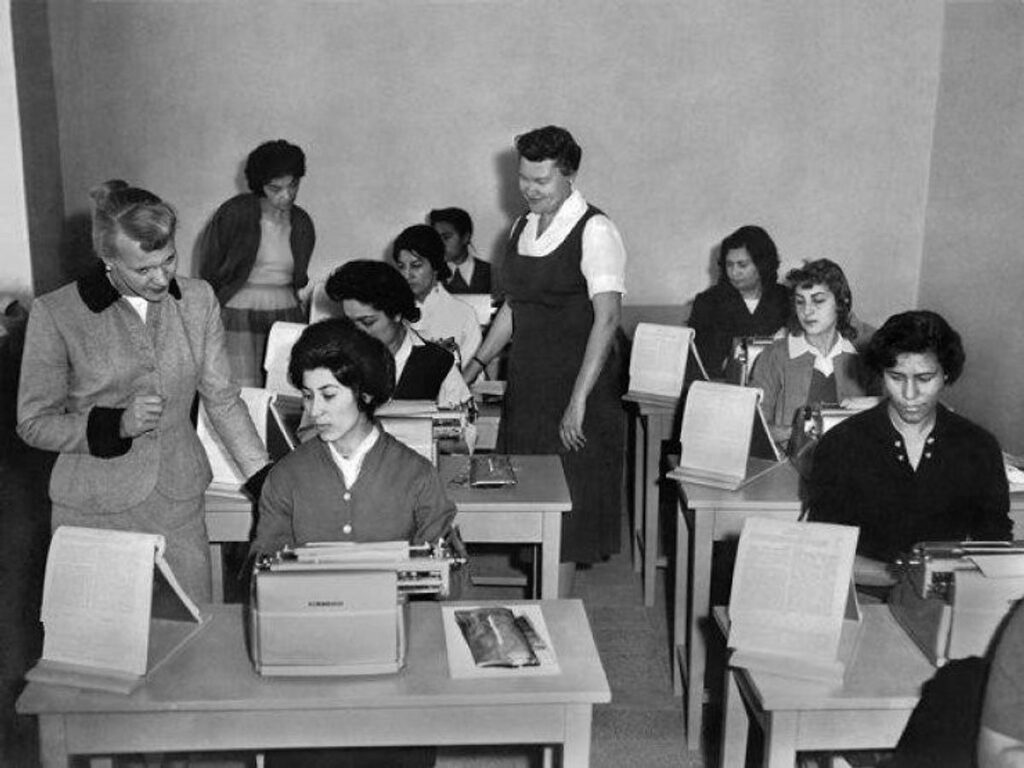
[603, 263]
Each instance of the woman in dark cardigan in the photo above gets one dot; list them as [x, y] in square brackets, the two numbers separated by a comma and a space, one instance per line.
[255, 253]
[746, 301]
[910, 469]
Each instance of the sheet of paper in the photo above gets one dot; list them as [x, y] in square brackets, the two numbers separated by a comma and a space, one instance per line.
[415, 432]
[96, 598]
[280, 341]
[657, 363]
[790, 587]
[1000, 566]
[716, 429]
[226, 473]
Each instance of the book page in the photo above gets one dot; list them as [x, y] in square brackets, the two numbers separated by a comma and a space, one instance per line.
[790, 587]
[280, 341]
[226, 473]
[96, 598]
[657, 363]
[716, 429]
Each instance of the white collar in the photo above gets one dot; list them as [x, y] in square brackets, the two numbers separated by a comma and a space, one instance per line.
[570, 212]
[798, 346]
[351, 466]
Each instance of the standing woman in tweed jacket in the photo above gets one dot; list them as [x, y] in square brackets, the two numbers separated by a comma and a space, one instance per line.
[111, 367]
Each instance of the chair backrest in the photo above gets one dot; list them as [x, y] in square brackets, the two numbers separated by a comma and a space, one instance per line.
[279, 349]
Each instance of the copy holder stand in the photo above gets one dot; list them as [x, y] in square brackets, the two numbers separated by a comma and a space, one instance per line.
[112, 609]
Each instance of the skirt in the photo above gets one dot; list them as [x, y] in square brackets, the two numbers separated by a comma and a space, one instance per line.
[245, 336]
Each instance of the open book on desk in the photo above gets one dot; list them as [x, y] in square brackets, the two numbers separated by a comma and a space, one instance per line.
[113, 610]
[725, 438]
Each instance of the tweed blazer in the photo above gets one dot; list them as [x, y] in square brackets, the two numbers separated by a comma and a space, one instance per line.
[87, 353]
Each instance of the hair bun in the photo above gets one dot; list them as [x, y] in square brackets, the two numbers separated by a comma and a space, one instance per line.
[101, 194]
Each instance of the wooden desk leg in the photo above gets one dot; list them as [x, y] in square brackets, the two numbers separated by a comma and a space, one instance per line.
[652, 478]
[700, 613]
[576, 747]
[639, 485]
[53, 750]
[680, 608]
[550, 551]
[217, 571]
[736, 724]
[780, 740]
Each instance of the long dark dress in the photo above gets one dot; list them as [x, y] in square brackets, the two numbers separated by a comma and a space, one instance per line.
[551, 321]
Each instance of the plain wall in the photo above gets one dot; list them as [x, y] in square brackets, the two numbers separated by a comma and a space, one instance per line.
[812, 119]
[973, 270]
[15, 258]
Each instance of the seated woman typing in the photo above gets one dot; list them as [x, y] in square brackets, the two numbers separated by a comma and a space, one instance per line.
[354, 483]
[376, 298]
[909, 469]
[746, 301]
[815, 363]
[419, 255]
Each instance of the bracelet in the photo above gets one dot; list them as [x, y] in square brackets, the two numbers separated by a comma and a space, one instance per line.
[481, 362]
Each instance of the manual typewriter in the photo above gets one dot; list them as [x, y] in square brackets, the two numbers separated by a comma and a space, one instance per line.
[339, 608]
[952, 596]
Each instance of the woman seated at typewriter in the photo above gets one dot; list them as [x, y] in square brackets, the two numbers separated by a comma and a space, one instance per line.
[815, 362]
[378, 300]
[909, 469]
[355, 482]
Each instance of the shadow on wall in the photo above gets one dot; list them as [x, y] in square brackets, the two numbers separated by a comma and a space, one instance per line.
[510, 202]
[75, 251]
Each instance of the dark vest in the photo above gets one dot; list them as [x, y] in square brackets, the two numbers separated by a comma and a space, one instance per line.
[424, 373]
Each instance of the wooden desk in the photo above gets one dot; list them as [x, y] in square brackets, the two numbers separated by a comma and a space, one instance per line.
[530, 512]
[706, 515]
[652, 422]
[209, 698]
[869, 711]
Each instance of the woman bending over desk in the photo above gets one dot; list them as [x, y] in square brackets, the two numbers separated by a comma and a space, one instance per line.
[910, 469]
[815, 363]
[378, 300]
[355, 482]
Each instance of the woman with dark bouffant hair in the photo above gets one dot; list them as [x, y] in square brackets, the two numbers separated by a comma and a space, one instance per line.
[815, 363]
[746, 301]
[255, 253]
[352, 482]
[909, 469]
[379, 301]
[111, 368]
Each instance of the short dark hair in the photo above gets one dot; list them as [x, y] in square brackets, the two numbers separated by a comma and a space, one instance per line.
[822, 272]
[137, 213]
[272, 160]
[424, 241]
[551, 143]
[356, 359]
[761, 248]
[374, 283]
[457, 217]
[916, 332]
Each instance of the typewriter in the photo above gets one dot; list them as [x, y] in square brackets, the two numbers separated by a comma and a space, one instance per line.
[952, 596]
[339, 608]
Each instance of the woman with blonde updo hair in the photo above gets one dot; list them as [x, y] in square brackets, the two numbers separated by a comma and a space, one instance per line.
[111, 368]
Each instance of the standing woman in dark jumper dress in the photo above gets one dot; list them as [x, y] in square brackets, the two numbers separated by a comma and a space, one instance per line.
[563, 276]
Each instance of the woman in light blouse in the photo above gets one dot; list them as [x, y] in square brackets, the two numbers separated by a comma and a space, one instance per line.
[563, 275]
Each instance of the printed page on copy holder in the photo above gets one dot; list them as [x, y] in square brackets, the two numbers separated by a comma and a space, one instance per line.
[791, 594]
[657, 362]
[724, 436]
[227, 477]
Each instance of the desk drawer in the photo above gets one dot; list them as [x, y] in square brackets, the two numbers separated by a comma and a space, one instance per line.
[503, 527]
